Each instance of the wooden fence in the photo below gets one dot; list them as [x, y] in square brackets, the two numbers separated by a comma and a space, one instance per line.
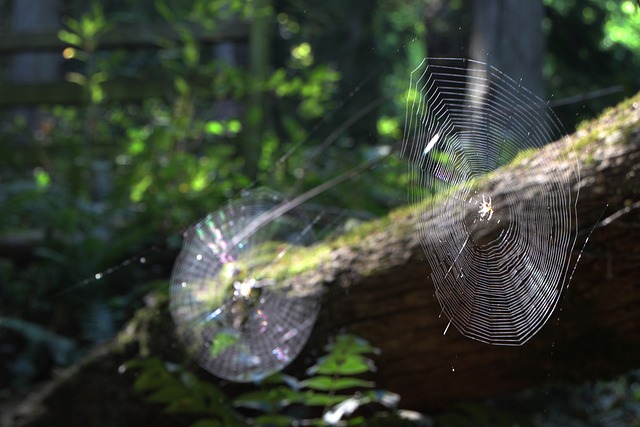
[124, 37]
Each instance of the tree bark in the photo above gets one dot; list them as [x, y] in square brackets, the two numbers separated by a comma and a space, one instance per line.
[379, 288]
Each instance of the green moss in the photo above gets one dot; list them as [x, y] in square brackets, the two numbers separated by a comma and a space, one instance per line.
[523, 155]
[627, 103]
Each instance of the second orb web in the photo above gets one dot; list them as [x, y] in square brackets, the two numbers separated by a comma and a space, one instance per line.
[499, 253]
[236, 300]
[232, 299]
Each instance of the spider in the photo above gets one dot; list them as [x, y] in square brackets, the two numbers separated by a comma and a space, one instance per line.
[485, 208]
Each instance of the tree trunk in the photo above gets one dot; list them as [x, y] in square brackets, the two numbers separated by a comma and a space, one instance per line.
[507, 34]
[379, 288]
[259, 61]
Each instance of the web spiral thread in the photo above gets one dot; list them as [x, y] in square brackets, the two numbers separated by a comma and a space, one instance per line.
[499, 259]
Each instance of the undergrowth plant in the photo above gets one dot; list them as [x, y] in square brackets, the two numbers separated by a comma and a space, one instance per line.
[334, 389]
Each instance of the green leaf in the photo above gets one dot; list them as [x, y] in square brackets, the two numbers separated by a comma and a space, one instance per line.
[440, 157]
[138, 189]
[41, 177]
[351, 344]
[357, 421]
[389, 127]
[214, 128]
[345, 357]
[70, 38]
[165, 11]
[221, 342]
[181, 86]
[329, 383]
[234, 126]
[319, 399]
[76, 78]
[342, 365]
[153, 376]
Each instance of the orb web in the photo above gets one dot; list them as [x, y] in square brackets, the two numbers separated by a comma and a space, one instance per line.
[229, 305]
[499, 258]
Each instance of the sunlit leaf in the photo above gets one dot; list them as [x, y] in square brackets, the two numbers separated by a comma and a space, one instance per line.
[389, 127]
[70, 38]
[138, 189]
[41, 177]
[440, 157]
[214, 128]
[234, 126]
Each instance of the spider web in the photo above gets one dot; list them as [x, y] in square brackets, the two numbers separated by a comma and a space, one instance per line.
[228, 302]
[499, 259]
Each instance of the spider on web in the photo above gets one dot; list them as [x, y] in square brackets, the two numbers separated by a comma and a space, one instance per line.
[486, 208]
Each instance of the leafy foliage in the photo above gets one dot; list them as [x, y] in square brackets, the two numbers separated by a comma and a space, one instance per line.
[109, 179]
[598, 44]
[87, 189]
[334, 390]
